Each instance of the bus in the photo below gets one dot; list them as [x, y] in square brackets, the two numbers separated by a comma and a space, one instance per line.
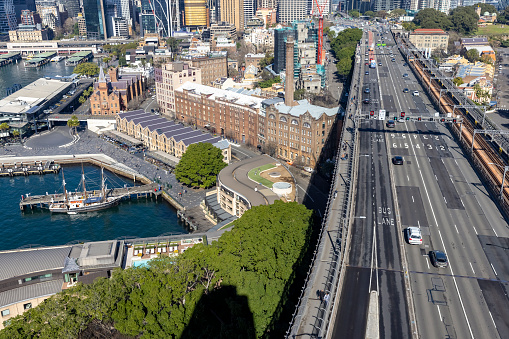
[372, 64]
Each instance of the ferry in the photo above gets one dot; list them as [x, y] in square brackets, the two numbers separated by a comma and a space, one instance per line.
[83, 202]
[57, 58]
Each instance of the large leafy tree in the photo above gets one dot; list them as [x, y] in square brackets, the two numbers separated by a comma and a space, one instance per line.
[200, 165]
[431, 18]
[472, 55]
[464, 20]
[234, 288]
[4, 126]
[87, 68]
[73, 122]
[398, 12]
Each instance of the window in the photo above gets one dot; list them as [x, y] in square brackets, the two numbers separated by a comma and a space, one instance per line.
[6, 313]
[283, 119]
[27, 306]
[295, 122]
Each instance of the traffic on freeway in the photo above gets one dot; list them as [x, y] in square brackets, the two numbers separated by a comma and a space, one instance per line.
[426, 236]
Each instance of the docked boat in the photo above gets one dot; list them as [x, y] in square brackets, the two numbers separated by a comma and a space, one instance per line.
[57, 58]
[82, 202]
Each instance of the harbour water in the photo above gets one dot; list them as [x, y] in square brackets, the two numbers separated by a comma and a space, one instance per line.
[132, 218]
[17, 74]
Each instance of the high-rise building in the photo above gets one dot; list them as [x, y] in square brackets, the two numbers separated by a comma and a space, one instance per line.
[124, 10]
[360, 5]
[440, 5]
[160, 17]
[20, 5]
[7, 16]
[232, 11]
[266, 4]
[95, 18]
[291, 10]
[280, 37]
[196, 13]
[82, 25]
[324, 4]
[71, 6]
[249, 10]
[387, 5]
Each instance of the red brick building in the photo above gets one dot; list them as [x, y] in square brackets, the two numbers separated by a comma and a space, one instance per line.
[113, 93]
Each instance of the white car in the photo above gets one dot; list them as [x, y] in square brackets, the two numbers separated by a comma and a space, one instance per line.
[413, 235]
[415, 93]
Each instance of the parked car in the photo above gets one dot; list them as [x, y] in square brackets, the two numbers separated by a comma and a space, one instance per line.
[413, 235]
[397, 160]
[438, 259]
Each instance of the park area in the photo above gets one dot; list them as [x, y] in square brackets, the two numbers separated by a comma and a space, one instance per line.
[269, 174]
[491, 30]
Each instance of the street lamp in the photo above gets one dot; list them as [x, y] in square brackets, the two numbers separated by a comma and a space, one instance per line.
[506, 168]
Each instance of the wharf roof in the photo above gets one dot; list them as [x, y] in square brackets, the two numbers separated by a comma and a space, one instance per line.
[21, 262]
[201, 138]
[28, 292]
[154, 122]
[143, 118]
[131, 114]
[303, 107]
[474, 41]
[35, 94]
[222, 144]
[217, 93]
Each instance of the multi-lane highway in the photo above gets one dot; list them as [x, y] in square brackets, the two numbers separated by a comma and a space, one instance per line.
[436, 190]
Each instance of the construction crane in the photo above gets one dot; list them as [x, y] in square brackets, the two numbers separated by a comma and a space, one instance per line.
[320, 8]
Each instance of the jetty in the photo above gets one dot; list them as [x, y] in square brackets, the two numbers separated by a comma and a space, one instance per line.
[40, 59]
[43, 201]
[9, 58]
[34, 167]
[78, 58]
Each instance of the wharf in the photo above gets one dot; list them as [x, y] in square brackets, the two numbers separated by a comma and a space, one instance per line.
[9, 58]
[40, 59]
[42, 201]
[34, 167]
[78, 58]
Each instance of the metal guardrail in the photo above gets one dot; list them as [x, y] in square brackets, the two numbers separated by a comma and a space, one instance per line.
[322, 322]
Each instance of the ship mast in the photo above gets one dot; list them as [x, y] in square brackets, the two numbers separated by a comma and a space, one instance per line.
[102, 184]
[65, 190]
[83, 181]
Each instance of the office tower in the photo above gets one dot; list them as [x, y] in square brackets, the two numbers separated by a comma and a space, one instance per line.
[387, 5]
[30, 18]
[196, 13]
[7, 16]
[71, 6]
[124, 9]
[95, 18]
[292, 10]
[160, 16]
[232, 11]
[49, 13]
[280, 37]
[361, 5]
[213, 6]
[249, 10]
[267, 3]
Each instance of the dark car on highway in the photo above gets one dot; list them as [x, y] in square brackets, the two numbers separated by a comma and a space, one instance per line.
[365, 101]
[438, 259]
[390, 124]
[397, 160]
[405, 90]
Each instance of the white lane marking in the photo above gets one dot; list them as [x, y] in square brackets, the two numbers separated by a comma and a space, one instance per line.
[445, 200]
[475, 230]
[492, 320]
[413, 199]
[427, 261]
[408, 179]
[439, 313]
[456, 229]
[472, 267]
[493, 269]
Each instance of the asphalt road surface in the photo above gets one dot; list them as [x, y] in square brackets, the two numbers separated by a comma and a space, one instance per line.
[436, 190]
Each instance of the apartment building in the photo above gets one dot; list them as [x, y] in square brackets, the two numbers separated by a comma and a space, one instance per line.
[424, 38]
[212, 67]
[172, 76]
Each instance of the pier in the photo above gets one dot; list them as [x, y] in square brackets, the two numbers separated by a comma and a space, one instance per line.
[34, 167]
[42, 201]
[40, 59]
[78, 58]
[9, 58]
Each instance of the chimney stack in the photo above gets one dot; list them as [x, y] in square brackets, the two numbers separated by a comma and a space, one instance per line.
[289, 83]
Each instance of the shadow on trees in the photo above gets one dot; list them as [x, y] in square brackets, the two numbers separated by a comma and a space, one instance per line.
[221, 313]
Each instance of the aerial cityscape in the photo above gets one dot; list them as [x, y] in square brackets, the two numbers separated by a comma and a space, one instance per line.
[254, 169]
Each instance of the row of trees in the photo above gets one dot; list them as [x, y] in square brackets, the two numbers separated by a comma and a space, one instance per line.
[235, 288]
[343, 47]
[396, 13]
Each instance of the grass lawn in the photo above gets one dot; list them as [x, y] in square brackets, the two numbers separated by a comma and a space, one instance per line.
[493, 30]
[255, 176]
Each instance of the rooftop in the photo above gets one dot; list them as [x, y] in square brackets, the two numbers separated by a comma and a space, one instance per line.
[216, 93]
[303, 107]
[29, 292]
[21, 262]
[428, 31]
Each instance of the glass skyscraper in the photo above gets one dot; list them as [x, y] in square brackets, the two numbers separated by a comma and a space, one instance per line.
[7, 16]
[95, 18]
[160, 16]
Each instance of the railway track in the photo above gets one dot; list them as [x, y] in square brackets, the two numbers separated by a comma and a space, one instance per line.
[484, 146]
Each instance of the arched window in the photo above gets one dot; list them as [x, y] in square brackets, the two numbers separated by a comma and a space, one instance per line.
[295, 122]
[306, 124]
[271, 116]
[283, 119]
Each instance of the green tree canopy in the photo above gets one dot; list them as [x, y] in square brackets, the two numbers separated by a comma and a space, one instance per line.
[73, 122]
[354, 13]
[464, 20]
[268, 83]
[344, 66]
[4, 126]
[173, 46]
[457, 81]
[86, 68]
[200, 165]
[431, 18]
[381, 14]
[258, 258]
[409, 25]
[267, 60]
[371, 14]
[472, 55]
[398, 12]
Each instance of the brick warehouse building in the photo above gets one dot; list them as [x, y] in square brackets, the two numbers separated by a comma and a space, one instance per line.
[113, 93]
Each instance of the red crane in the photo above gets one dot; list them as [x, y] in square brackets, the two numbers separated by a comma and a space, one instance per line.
[320, 8]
